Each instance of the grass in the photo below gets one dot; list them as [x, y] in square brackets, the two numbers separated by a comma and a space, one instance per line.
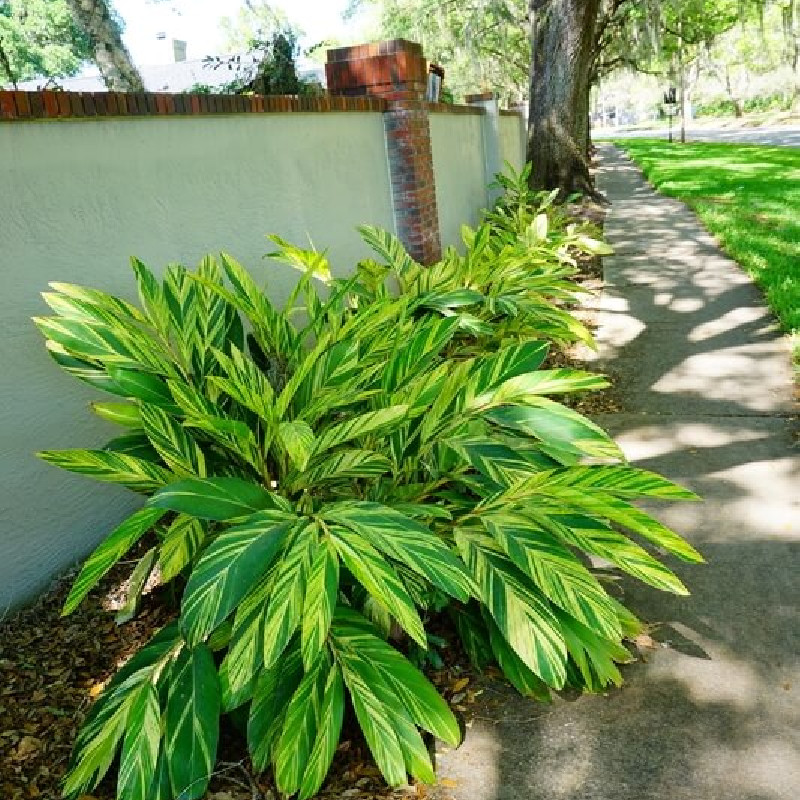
[748, 196]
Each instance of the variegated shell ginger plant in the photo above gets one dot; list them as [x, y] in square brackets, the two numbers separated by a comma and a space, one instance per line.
[330, 477]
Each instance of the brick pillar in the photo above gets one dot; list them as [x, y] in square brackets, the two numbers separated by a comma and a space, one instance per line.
[396, 71]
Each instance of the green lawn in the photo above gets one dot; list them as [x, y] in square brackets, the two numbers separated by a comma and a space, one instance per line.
[748, 196]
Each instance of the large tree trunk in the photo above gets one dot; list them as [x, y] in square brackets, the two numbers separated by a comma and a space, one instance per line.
[110, 54]
[562, 38]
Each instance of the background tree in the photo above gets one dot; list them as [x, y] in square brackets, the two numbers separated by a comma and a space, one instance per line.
[104, 32]
[39, 38]
[483, 44]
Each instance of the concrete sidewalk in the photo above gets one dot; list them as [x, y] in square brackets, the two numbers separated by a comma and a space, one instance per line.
[714, 713]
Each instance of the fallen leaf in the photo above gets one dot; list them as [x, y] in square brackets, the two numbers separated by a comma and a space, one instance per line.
[460, 684]
[28, 746]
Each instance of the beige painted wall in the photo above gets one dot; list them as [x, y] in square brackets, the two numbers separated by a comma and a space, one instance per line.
[77, 198]
[512, 140]
[457, 143]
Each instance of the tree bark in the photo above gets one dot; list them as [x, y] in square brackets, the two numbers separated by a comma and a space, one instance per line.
[110, 54]
[562, 38]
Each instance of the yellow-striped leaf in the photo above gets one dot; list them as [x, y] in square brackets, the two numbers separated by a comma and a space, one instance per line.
[285, 607]
[300, 728]
[273, 692]
[556, 572]
[228, 569]
[407, 541]
[182, 540]
[109, 467]
[113, 547]
[375, 574]
[140, 747]
[522, 614]
[178, 449]
[322, 589]
[329, 727]
[191, 722]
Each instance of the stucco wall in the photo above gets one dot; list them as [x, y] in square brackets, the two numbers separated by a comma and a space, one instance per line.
[77, 198]
[457, 143]
[512, 140]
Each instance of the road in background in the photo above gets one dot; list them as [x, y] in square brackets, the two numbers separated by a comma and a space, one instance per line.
[787, 136]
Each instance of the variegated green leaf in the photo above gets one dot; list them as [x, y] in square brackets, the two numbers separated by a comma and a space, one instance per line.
[522, 614]
[245, 656]
[329, 726]
[142, 386]
[322, 589]
[285, 607]
[297, 439]
[121, 309]
[152, 296]
[521, 677]
[375, 574]
[618, 481]
[424, 704]
[383, 420]
[560, 429]
[86, 371]
[407, 541]
[376, 721]
[603, 506]
[490, 372]
[542, 382]
[273, 691]
[597, 539]
[300, 728]
[245, 383]
[555, 571]
[136, 585]
[216, 498]
[125, 414]
[110, 467]
[595, 657]
[228, 569]
[181, 542]
[411, 357]
[391, 249]
[191, 722]
[113, 547]
[140, 747]
[178, 449]
[344, 465]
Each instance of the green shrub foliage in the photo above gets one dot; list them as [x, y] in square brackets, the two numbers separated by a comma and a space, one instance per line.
[319, 478]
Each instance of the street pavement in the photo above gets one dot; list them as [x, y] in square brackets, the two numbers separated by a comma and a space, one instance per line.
[788, 136]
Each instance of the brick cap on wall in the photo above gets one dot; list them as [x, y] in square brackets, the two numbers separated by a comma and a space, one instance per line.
[385, 48]
[61, 105]
[480, 97]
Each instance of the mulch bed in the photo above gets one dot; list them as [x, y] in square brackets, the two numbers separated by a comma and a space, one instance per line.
[52, 668]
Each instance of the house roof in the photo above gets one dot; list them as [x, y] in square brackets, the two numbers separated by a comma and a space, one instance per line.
[179, 76]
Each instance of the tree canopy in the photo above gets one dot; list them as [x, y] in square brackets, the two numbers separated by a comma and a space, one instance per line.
[39, 38]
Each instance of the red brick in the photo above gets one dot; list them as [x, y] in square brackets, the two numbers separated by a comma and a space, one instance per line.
[50, 103]
[8, 108]
[64, 105]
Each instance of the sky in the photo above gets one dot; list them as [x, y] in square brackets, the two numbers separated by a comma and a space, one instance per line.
[198, 23]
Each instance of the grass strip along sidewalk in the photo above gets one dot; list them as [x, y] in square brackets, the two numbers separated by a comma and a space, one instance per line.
[748, 196]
